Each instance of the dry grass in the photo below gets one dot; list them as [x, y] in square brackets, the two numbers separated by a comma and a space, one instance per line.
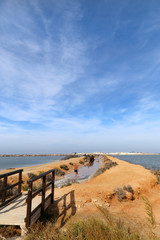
[9, 231]
[92, 229]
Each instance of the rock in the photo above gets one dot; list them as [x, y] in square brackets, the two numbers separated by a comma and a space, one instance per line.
[88, 200]
[129, 195]
[109, 196]
[94, 200]
[107, 204]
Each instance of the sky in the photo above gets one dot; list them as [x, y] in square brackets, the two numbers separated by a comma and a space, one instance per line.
[79, 76]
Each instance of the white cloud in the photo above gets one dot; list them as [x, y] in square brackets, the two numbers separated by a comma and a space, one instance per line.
[34, 77]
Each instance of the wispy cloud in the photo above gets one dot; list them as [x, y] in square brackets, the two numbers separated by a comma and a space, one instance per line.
[79, 70]
[35, 69]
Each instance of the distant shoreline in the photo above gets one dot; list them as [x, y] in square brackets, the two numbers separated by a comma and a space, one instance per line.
[72, 154]
[133, 154]
[35, 155]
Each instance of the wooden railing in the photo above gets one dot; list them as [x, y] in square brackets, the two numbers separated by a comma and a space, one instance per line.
[5, 187]
[33, 215]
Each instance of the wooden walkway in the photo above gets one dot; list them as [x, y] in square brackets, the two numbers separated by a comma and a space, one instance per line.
[24, 210]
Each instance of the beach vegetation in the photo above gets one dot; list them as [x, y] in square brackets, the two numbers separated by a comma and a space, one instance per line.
[104, 228]
[107, 165]
[24, 187]
[40, 172]
[69, 156]
[64, 166]
[59, 172]
[121, 195]
[7, 232]
[151, 222]
[34, 188]
[81, 162]
[31, 175]
[157, 174]
[128, 188]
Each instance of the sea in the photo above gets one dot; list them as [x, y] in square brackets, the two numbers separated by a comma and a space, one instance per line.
[147, 161]
[20, 162]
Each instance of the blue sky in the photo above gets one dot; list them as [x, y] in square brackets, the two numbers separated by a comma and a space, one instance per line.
[79, 76]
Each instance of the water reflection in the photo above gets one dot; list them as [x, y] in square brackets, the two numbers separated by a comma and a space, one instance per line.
[84, 173]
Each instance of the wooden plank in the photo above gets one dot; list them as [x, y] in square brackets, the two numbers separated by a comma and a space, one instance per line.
[48, 184]
[4, 186]
[14, 213]
[20, 182]
[35, 216]
[52, 188]
[11, 186]
[40, 176]
[29, 205]
[10, 173]
[36, 193]
[35, 209]
[48, 201]
[43, 194]
[10, 200]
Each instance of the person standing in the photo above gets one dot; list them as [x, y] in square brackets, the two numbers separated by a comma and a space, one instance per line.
[76, 169]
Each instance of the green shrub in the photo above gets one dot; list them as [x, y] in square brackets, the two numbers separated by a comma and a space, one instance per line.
[64, 166]
[40, 172]
[99, 171]
[24, 187]
[49, 177]
[128, 188]
[157, 174]
[32, 175]
[121, 195]
[34, 188]
[59, 172]
[108, 164]
[81, 162]
[69, 156]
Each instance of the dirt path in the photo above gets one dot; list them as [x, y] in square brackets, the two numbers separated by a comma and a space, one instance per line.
[100, 191]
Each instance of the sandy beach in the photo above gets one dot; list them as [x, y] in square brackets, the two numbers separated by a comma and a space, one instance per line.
[99, 191]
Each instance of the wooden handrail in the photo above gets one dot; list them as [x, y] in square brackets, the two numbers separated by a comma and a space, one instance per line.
[42, 206]
[5, 186]
[40, 176]
[10, 173]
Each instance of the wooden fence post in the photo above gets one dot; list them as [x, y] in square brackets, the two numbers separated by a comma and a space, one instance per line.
[20, 180]
[4, 191]
[43, 194]
[29, 205]
[52, 191]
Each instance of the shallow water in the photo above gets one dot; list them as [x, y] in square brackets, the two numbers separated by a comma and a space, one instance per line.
[20, 162]
[147, 161]
[84, 173]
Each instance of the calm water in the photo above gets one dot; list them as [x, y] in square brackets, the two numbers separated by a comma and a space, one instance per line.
[85, 172]
[20, 162]
[147, 161]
